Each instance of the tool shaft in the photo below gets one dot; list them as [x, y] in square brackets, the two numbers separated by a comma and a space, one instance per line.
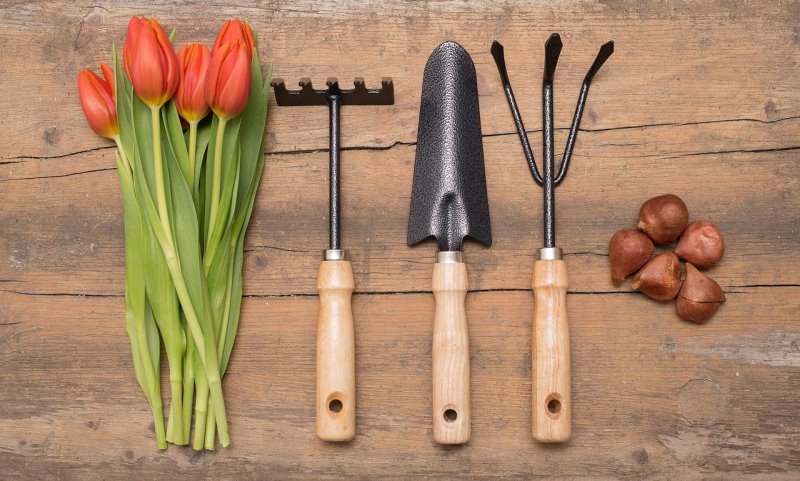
[334, 102]
[548, 187]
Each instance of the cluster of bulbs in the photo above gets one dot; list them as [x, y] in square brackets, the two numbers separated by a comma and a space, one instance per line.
[662, 221]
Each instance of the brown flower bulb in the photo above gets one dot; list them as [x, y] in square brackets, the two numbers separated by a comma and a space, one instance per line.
[661, 278]
[700, 296]
[628, 251]
[701, 244]
[663, 218]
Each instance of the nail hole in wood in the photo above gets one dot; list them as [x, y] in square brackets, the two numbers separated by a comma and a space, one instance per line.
[450, 415]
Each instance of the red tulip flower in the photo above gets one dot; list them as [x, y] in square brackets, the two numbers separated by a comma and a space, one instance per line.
[228, 79]
[190, 98]
[232, 31]
[97, 101]
[150, 61]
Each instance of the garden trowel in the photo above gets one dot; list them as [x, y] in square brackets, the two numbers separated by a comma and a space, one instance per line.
[449, 202]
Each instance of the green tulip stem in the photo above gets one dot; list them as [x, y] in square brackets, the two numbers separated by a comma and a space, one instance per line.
[161, 197]
[211, 434]
[217, 177]
[207, 356]
[122, 156]
[154, 396]
[200, 413]
[188, 386]
[175, 421]
[158, 420]
[192, 152]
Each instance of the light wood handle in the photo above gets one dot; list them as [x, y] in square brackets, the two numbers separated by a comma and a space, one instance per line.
[451, 415]
[550, 353]
[336, 366]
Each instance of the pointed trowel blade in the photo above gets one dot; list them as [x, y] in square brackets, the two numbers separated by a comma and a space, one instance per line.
[448, 198]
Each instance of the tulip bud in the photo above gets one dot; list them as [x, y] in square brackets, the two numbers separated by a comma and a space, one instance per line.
[228, 79]
[190, 98]
[232, 31]
[150, 62]
[97, 101]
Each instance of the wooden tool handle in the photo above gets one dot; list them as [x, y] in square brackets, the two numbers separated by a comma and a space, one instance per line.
[336, 366]
[451, 415]
[550, 353]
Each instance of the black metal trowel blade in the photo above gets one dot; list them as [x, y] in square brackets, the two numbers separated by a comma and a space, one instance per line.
[448, 198]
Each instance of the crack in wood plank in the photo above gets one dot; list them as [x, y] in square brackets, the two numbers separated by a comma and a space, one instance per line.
[736, 151]
[58, 176]
[412, 143]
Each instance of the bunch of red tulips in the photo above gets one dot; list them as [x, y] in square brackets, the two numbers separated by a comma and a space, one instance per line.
[188, 182]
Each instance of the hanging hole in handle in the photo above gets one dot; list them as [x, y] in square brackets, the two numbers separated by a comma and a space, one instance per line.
[553, 403]
[450, 415]
[335, 406]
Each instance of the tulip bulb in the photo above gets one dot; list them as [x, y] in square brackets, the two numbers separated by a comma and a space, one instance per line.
[700, 296]
[628, 251]
[663, 218]
[701, 244]
[661, 278]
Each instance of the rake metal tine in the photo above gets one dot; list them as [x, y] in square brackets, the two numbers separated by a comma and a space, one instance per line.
[605, 52]
[306, 87]
[280, 89]
[359, 87]
[500, 60]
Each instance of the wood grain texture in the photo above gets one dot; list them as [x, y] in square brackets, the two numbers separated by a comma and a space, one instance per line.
[551, 400]
[336, 351]
[700, 99]
[450, 369]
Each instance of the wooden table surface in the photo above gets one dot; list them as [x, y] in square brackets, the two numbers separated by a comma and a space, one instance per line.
[699, 99]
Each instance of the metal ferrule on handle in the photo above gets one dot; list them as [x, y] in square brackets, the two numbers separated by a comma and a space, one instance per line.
[451, 403]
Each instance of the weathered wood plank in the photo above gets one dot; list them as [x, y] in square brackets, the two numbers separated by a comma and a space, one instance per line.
[676, 62]
[654, 397]
[77, 248]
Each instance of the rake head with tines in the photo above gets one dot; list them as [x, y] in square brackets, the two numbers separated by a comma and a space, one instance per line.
[334, 97]
[336, 419]
[550, 346]
[308, 95]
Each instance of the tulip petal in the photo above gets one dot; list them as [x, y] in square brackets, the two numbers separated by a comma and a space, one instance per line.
[108, 74]
[233, 30]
